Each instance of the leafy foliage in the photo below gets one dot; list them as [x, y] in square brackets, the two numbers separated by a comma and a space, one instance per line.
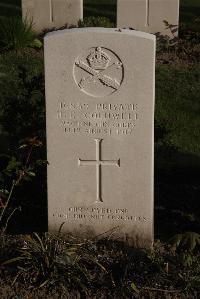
[22, 114]
[22, 103]
[17, 34]
[49, 260]
[95, 22]
[185, 244]
[185, 47]
[15, 172]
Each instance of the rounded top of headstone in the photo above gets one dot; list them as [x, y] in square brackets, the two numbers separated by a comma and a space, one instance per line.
[131, 32]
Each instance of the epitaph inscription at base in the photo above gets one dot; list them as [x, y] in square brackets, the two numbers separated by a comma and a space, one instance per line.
[100, 111]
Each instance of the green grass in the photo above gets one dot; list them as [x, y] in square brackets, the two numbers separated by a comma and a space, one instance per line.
[177, 149]
[178, 106]
[177, 134]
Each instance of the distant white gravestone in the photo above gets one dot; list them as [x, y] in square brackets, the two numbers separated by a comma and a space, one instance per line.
[100, 115]
[46, 14]
[149, 15]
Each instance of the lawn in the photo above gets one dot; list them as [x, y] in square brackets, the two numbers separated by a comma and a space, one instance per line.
[54, 267]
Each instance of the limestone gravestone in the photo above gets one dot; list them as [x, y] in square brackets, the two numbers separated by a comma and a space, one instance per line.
[45, 14]
[149, 15]
[100, 112]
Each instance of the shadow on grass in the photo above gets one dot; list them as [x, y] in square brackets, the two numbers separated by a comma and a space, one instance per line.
[31, 197]
[177, 192]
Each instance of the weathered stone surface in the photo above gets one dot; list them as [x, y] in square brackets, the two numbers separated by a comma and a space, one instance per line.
[100, 113]
[47, 14]
[148, 15]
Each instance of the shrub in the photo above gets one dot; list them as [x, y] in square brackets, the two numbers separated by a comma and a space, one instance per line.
[185, 245]
[96, 22]
[16, 33]
[22, 104]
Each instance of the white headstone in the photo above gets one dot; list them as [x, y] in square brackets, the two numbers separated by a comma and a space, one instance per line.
[100, 115]
[46, 14]
[149, 15]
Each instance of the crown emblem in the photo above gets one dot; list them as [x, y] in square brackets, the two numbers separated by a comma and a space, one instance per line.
[98, 60]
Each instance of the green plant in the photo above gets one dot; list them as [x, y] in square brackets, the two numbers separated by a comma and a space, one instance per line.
[185, 245]
[16, 171]
[49, 259]
[16, 33]
[22, 101]
[61, 266]
[185, 46]
[156, 256]
[95, 22]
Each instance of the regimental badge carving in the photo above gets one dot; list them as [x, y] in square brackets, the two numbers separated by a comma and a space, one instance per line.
[98, 72]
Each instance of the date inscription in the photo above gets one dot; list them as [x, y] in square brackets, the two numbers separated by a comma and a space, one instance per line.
[97, 118]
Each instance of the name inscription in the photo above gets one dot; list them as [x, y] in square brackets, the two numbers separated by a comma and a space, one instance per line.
[100, 118]
[82, 213]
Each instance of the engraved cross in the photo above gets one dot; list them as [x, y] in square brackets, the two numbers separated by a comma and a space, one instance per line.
[147, 13]
[51, 18]
[98, 163]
